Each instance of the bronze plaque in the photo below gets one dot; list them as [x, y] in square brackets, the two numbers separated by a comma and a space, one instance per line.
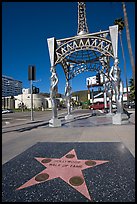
[76, 181]
[70, 155]
[90, 163]
[42, 177]
[46, 160]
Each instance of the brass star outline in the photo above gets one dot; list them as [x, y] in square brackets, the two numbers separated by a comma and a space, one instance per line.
[68, 168]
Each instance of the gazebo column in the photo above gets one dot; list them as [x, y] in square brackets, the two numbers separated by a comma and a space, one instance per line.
[119, 117]
[110, 100]
[68, 97]
[110, 93]
[54, 122]
[105, 98]
[104, 64]
[117, 86]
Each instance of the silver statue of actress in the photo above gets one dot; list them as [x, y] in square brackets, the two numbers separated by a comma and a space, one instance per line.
[117, 85]
[53, 91]
[67, 94]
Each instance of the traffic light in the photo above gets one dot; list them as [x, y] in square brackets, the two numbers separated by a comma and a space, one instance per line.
[88, 86]
[31, 73]
[98, 78]
[35, 90]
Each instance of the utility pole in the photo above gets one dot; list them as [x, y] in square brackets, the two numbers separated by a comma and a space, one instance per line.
[105, 94]
[129, 41]
[31, 76]
[92, 96]
[31, 88]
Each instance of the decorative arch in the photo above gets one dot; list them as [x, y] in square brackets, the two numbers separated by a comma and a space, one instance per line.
[94, 43]
[84, 52]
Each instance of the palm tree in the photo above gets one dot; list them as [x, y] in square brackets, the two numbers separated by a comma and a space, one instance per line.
[120, 23]
[128, 41]
[132, 90]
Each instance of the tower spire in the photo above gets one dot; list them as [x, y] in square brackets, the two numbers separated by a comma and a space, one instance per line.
[82, 24]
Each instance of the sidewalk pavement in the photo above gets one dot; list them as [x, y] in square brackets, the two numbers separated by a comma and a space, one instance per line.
[87, 160]
[17, 139]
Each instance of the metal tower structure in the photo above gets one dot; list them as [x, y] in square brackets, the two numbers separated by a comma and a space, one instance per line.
[84, 52]
[82, 23]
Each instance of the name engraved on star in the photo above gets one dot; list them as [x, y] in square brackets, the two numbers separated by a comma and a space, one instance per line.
[65, 163]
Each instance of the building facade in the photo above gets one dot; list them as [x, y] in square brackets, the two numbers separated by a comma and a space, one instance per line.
[39, 101]
[99, 96]
[10, 86]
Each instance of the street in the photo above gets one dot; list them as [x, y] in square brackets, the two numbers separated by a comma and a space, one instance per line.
[17, 117]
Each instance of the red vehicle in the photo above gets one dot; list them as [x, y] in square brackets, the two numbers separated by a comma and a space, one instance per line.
[98, 106]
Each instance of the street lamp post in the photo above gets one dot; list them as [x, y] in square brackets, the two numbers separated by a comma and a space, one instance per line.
[92, 96]
[31, 76]
[88, 86]
[31, 88]
[105, 94]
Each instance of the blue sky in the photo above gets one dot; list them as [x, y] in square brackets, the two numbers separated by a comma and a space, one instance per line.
[27, 25]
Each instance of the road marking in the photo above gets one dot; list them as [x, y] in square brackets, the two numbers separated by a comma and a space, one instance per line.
[101, 111]
[7, 123]
[7, 118]
[21, 119]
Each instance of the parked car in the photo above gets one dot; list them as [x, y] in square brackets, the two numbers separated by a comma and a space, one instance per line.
[130, 105]
[7, 111]
[114, 105]
[98, 106]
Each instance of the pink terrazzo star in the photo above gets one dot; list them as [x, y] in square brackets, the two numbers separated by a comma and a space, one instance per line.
[68, 168]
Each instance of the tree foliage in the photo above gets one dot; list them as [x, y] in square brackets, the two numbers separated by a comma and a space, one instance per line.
[120, 23]
[132, 90]
[82, 95]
